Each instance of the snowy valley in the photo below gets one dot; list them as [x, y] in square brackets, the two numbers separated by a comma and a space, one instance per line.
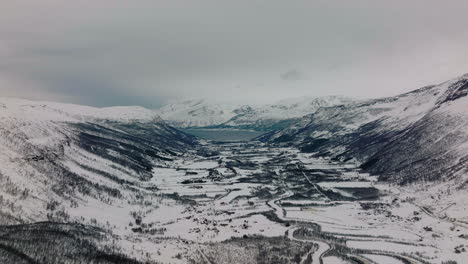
[332, 180]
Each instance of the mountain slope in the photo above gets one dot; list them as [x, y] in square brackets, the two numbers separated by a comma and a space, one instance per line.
[75, 164]
[201, 113]
[417, 136]
[435, 146]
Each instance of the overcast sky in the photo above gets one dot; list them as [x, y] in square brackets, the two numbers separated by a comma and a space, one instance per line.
[111, 52]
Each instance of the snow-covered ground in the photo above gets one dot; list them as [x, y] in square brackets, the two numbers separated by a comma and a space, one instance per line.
[389, 229]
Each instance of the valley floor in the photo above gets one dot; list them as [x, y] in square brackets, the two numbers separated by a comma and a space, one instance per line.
[247, 202]
[251, 203]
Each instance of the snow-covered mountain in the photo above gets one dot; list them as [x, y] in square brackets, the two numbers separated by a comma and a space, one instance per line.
[70, 164]
[417, 136]
[202, 113]
[72, 151]
[51, 111]
[197, 113]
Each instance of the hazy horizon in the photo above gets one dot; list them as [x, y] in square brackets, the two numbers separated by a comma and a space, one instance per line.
[147, 53]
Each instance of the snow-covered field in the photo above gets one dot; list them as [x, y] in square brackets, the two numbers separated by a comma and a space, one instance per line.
[215, 207]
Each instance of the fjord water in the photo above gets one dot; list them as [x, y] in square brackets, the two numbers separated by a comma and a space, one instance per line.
[224, 134]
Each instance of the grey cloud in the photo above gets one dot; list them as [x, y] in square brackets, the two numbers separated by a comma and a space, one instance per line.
[146, 52]
[293, 75]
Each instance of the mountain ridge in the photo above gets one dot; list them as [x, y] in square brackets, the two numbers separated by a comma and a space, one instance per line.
[378, 132]
[201, 113]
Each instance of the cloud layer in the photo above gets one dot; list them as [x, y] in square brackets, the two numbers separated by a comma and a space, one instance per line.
[146, 52]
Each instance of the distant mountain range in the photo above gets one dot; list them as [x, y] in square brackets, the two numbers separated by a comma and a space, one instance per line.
[205, 114]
